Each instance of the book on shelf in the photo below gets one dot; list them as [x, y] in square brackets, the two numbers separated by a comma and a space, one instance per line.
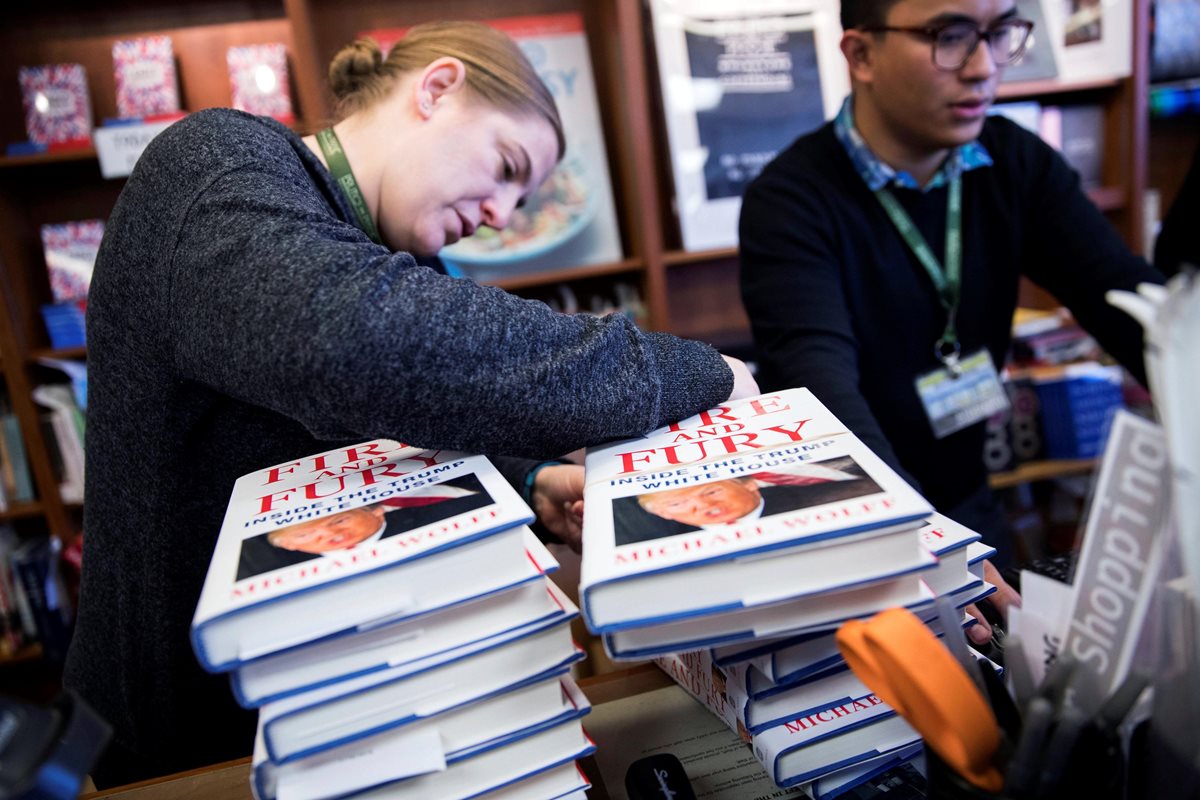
[534, 600]
[66, 429]
[145, 75]
[18, 482]
[571, 220]
[764, 501]
[58, 109]
[427, 745]
[70, 251]
[809, 746]
[258, 75]
[1077, 131]
[353, 538]
[739, 82]
[35, 571]
[1040, 60]
[16, 618]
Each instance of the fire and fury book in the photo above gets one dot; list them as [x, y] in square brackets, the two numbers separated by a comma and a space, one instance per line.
[808, 746]
[756, 502]
[353, 538]
[144, 70]
[57, 105]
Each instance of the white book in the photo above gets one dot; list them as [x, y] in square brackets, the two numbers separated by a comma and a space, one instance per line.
[502, 768]
[771, 663]
[428, 745]
[793, 757]
[949, 541]
[308, 723]
[822, 611]
[807, 746]
[276, 676]
[754, 502]
[564, 782]
[354, 538]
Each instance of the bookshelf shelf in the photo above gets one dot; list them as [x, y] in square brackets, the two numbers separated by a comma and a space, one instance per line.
[1024, 89]
[49, 157]
[675, 258]
[629, 265]
[66, 353]
[21, 511]
[28, 654]
[1041, 471]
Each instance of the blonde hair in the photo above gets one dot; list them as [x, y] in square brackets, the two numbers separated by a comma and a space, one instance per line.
[497, 71]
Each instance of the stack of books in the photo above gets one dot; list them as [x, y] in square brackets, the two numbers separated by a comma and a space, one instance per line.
[730, 547]
[387, 611]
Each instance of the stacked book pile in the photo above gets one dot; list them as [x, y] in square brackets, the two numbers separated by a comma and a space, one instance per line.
[387, 611]
[732, 545]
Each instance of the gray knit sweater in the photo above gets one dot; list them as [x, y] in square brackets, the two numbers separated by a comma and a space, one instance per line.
[238, 318]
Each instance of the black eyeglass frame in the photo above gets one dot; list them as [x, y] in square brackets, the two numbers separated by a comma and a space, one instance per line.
[931, 32]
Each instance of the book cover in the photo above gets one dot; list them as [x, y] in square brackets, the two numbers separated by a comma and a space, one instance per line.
[678, 523]
[70, 250]
[1093, 38]
[1040, 60]
[411, 640]
[144, 70]
[429, 745]
[57, 105]
[351, 537]
[571, 220]
[258, 75]
[353, 709]
[739, 82]
[808, 746]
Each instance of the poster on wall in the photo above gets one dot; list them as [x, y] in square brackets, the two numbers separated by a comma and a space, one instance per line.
[739, 83]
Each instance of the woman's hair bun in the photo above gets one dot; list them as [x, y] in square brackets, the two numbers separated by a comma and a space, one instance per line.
[355, 66]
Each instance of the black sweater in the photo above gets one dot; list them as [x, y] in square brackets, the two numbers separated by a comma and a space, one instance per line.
[839, 304]
[238, 318]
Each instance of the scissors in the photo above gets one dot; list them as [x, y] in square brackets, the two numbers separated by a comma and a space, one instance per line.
[905, 665]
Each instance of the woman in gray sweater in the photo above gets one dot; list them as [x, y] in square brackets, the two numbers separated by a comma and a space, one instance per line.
[255, 301]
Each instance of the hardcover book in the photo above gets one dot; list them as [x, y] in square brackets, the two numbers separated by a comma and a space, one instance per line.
[739, 82]
[762, 501]
[429, 745]
[571, 220]
[57, 106]
[70, 250]
[258, 74]
[350, 710]
[808, 746]
[411, 640]
[145, 75]
[350, 538]
[824, 611]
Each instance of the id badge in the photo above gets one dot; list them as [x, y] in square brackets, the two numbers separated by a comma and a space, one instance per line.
[953, 402]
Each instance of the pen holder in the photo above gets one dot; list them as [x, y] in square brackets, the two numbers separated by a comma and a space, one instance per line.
[946, 784]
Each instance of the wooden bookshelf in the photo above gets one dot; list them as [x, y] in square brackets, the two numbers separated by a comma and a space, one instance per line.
[1041, 471]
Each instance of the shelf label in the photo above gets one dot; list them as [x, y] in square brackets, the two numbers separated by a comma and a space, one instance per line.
[119, 146]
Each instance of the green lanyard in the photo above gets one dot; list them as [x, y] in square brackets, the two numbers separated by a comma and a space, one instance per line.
[335, 157]
[947, 282]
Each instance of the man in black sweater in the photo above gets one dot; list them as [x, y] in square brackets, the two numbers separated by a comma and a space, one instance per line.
[842, 303]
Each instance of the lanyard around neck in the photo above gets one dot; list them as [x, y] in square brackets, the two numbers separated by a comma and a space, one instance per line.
[335, 157]
[948, 281]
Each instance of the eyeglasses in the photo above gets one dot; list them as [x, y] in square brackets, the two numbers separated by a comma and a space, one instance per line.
[954, 43]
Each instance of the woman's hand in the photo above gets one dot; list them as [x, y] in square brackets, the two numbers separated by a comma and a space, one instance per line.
[558, 502]
[744, 384]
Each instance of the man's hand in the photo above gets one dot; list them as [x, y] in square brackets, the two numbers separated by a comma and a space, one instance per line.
[558, 502]
[1003, 598]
